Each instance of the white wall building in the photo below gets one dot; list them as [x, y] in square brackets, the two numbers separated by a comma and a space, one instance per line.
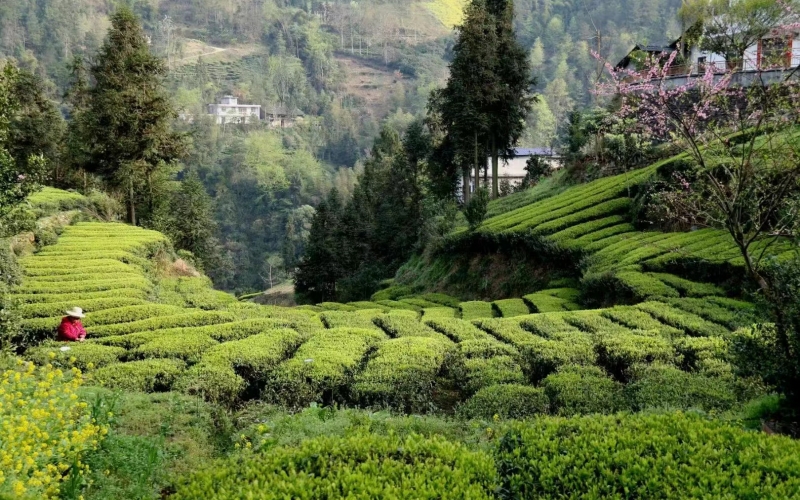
[228, 110]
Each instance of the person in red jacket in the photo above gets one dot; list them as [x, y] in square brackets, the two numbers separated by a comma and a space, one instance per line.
[71, 329]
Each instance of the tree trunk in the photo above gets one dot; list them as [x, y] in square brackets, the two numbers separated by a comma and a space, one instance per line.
[477, 165]
[465, 185]
[131, 206]
[495, 180]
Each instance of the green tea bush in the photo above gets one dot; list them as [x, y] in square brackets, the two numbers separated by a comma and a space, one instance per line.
[544, 356]
[686, 287]
[357, 467]
[596, 240]
[592, 322]
[690, 323]
[323, 367]
[579, 390]
[475, 310]
[640, 320]
[542, 303]
[508, 308]
[714, 312]
[664, 386]
[438, 312]
[547, 325]
[128, 314]
[148, 375]
[619, 351]
[396, 305]
[106, 268]
[578, 230]
[641, 286]
[476, 208]
[402, 373]
[605, 208]
[391, 293]
[44, 287]
[188, 318]
[49, 309]
[400, 326]
[506, 401]
[652, 456]
[442, 299]
[484, 362]
[215, 382]
[189, 347]
[73, 297]
[366, 305]
[507, 330]
[457, 329]
[336, 306]
[692, 351]
[418, 302]
[83, 355]
[359, 319]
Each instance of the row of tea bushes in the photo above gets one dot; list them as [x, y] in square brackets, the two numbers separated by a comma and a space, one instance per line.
[671, 455]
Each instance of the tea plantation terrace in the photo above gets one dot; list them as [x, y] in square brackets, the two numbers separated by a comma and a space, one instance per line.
[151, 333]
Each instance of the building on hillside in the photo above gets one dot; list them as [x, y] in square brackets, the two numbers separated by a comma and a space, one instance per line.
[279, 116]
[769, 60]
[228, 110]
[512, 169]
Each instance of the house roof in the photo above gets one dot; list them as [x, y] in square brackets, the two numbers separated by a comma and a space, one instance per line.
[650, 49]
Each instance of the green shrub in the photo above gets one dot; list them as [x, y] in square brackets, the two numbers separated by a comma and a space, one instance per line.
[442, 299]
[475, 310]
[401, 326]
[506, 401]
[257, 356]
[589, 242]
[391, 293]
[619, 351]
[542, 303]
[73, 297]
[418, 302]
[48, 309]
[508, 308]
[711, 311]
[544, 356]
[665, 386]
[323, 367]
[45, 287]
[547, 325]
[686, 287]
[358, 467]
[592, 322]
[642, 286]
[578, 230]
[395, 305]
[507, 330]
[476, 208]
[640, 320]
[148, 375]
[690, 323]
[189, 318]
[438, 312]
[128, 314]
[188, 347]
[578, 390]
[483, 362]
[336, 306]
[651, 456]
[402, 373]
[218, 383]
[604, 208]
[359, 319]
[366, 305]
[80, 354]
[457, 329]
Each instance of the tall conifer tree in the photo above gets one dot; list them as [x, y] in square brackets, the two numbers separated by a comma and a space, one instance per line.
[126, 126]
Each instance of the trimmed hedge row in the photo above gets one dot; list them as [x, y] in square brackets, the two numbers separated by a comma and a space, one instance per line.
[508, 308]
[543, 303]
[323, 367]
[357, 467]
[148, 375]
[91, 306]
[402, 373]
[690, 323]
[475, 309]
[456, 329]
[438, 312]
[402, 326]
[73, 297]
[651, 456]
[360, 319]
[187, 319]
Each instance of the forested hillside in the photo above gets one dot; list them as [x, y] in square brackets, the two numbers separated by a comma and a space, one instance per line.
[347, 68]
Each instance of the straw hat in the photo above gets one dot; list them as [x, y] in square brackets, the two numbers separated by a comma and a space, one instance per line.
[75, 312]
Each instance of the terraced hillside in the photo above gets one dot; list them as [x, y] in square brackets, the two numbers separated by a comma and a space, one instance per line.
[588, 233]
[149, 331]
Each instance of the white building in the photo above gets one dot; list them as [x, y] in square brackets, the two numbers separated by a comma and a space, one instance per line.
[513, 169]
[228, 110]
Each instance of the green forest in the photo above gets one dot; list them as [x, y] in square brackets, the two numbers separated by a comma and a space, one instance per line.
[338, 295]
[348, 70]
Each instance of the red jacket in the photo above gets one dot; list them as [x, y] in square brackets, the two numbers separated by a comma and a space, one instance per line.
[70, 329]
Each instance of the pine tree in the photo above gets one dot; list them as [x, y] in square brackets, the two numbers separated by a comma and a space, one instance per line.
[192, 224]
[463, 105]
[320, 268]
[126, 126]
